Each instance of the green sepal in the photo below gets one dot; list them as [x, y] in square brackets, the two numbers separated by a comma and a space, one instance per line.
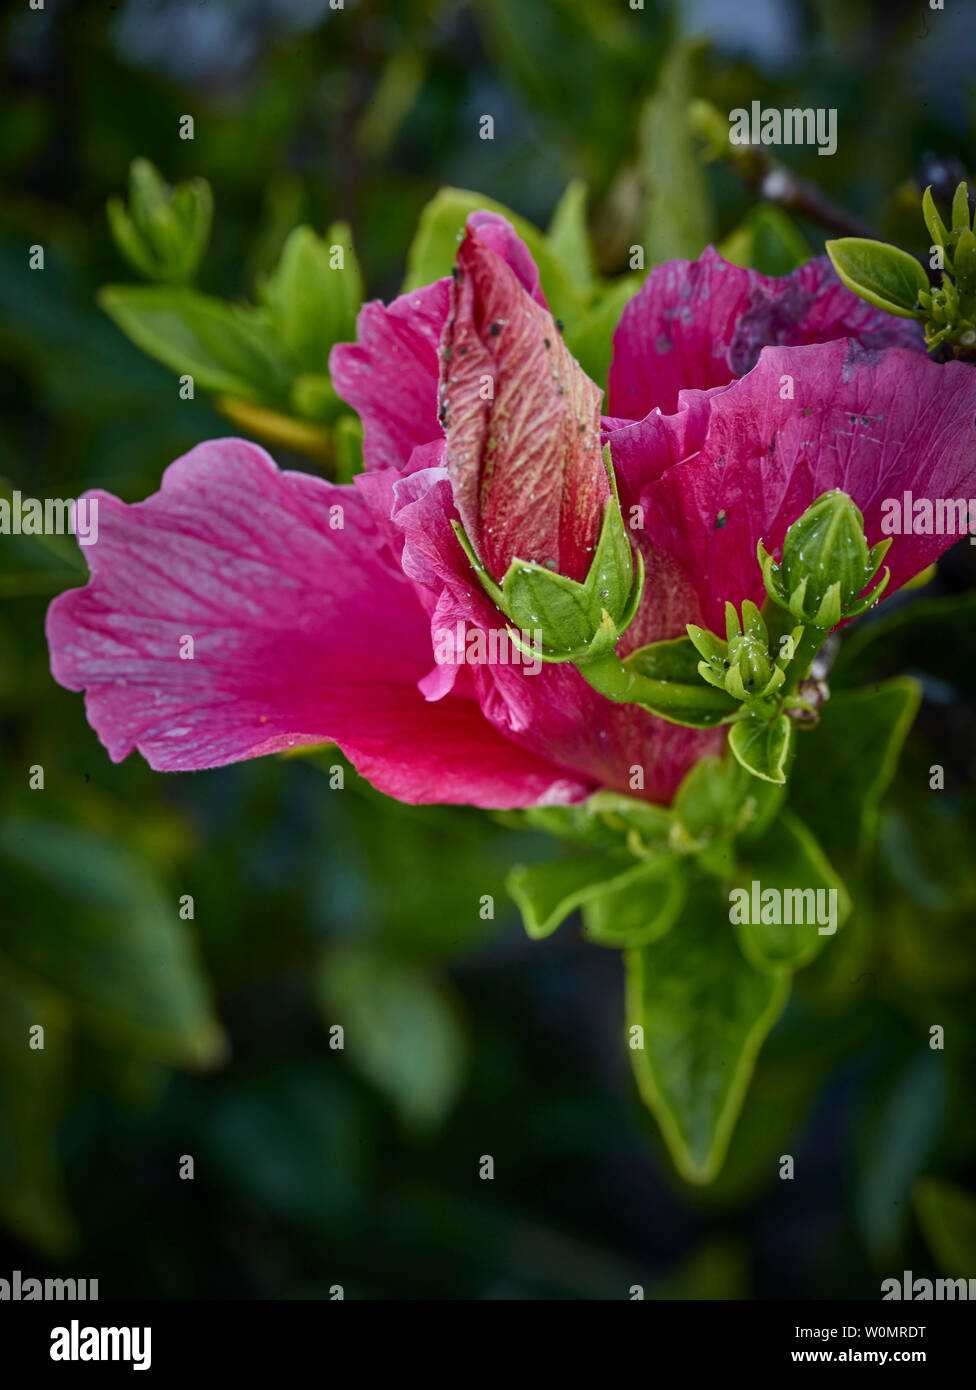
[884, 275]
[826, 542]
[664, 678]
[763, 747]
[574, 621]
[712, 648]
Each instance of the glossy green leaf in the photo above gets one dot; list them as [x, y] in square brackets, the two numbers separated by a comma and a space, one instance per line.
[568, 236]
[767, 240]
[926, 635]
[401, 1030]
[844, 766]
[224, 347]
[589, 330]
[313, 300]
[704, 1012]
[934, 224]
[641, 910]
[961, 221]
[762, 747]
[547, 893]
[883, 275]
[719, 800]
[677, 216]
[789, 862]
[607, 820]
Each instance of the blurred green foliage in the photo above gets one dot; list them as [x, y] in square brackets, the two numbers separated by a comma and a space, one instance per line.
[168, 1035]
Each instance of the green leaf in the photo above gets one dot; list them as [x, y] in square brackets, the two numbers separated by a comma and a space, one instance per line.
[704, 1012]
[315, 398]
[845, 764]
[568, 236]
[89, 920]
[960, 209]
[677, 217]
[677, 691]
[547, 893]
[434, 248]
[719, 800]
[947, 1216]
[641, 910]
[789, 861]
[964, 256]
[926, 635]
[936, 227]
[589, 332]
[763, 747]
[768, 240]
[607, 820]
[347, 440]
[32, 1088]
[401, 1031]
[225, 347]
[312, 299]
[879, 273]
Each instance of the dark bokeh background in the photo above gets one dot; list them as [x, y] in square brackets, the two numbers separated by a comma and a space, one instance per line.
[315, 905]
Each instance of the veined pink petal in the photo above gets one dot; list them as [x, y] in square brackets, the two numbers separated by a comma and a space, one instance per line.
[702, 323]
[303, 631]
[642, 450]
[522, 422]
[498, 234]
[875, 424]
[389, 375]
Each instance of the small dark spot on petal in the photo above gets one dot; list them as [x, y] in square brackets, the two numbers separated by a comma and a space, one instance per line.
[720, 520]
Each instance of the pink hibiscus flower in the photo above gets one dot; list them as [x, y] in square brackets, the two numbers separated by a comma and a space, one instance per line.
[734, 401]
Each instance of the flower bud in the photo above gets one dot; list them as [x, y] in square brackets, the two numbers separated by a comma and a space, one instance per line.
[826, 564]
[164, 231]
[540, 518]
[742, 665]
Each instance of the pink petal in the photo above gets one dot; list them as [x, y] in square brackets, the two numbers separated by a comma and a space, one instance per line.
[389, 375]
[498, 234]
[302, 634]
[875, 424]
[702, 323]
[526, 465]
